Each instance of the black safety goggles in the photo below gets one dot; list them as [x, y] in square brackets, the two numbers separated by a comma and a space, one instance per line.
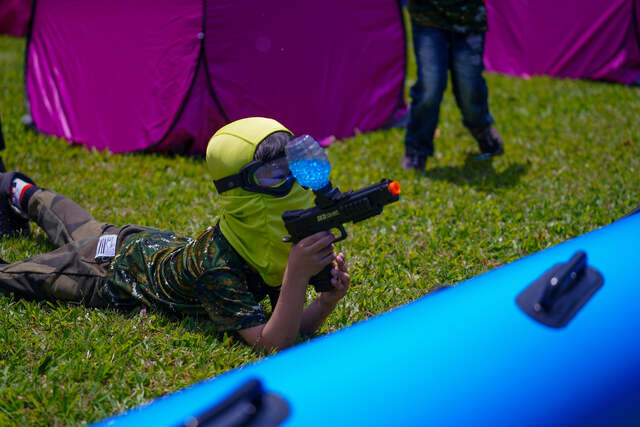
[271, 177]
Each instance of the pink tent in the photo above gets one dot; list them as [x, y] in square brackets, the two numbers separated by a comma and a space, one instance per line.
[593, 39]
[14, 16]
[163, 75]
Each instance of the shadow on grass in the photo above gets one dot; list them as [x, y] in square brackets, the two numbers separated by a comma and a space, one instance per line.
[42, 240]
[479, 174]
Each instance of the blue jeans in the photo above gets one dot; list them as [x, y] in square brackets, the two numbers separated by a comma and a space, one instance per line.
[437, 51]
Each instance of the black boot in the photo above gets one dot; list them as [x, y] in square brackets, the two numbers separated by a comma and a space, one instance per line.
[489, 141]
[12, 221]
[415, 162]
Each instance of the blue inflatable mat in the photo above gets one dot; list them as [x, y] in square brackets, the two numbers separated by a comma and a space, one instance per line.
[465, 355]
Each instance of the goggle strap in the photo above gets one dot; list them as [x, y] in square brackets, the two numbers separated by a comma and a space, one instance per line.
[228, 182]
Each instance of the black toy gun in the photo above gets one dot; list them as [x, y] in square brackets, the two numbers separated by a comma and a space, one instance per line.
[333, 209]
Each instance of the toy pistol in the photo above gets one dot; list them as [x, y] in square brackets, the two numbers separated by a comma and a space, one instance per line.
[333, 209]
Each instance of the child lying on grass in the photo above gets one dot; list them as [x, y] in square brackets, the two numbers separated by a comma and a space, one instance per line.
[223, 273]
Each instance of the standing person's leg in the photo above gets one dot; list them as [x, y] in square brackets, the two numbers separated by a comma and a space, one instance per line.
[431, 46]
[471, 92]
[61, 218]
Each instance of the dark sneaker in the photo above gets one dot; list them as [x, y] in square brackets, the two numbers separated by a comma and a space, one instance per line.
[12, 221]
[489, 141]
[11, 224]
[417, 163]
[6, 181]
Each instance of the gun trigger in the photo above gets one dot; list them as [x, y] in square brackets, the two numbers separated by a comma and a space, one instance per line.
[343, 234]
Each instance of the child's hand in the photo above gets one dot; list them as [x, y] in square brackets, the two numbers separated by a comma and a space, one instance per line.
[340, 281]
[311, 254]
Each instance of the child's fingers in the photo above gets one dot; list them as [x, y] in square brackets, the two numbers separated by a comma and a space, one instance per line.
[337, 284]
[344, 278]
[325, 260]
[317, 240]
[341, 276]
[324, 242]
[309, 240]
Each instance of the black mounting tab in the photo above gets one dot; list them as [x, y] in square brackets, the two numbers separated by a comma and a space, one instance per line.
[556, 297]
[248, 406]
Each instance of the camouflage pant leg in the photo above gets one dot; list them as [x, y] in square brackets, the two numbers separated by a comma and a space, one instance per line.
[70, 273]
[62, 219]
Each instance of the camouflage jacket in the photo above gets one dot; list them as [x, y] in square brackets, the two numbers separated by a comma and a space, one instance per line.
[460, 16]
[201, 276]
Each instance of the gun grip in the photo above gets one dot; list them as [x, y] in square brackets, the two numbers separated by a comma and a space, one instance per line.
[322, 281]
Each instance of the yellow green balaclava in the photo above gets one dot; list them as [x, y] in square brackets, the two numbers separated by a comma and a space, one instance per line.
[252, 222]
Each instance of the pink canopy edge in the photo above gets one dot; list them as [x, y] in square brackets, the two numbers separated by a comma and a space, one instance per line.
[594, 39]
[166, 76]
[107, 86]
[14, 17]
[158, 82]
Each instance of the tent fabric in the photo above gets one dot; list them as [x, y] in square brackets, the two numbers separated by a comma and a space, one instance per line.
[592, 39]
[160, 75]
[14, 17]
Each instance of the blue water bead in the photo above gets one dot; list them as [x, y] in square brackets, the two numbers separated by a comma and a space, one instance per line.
[312, 173]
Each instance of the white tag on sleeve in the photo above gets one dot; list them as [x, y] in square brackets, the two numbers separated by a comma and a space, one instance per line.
[107, 246]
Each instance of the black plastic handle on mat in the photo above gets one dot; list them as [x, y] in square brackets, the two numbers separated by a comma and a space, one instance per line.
[248, 406]
[556, 297]
[565, 276]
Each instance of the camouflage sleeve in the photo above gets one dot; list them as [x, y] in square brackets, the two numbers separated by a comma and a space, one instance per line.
[227, 299]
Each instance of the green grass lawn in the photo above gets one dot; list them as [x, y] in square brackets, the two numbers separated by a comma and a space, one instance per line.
[572, 164]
